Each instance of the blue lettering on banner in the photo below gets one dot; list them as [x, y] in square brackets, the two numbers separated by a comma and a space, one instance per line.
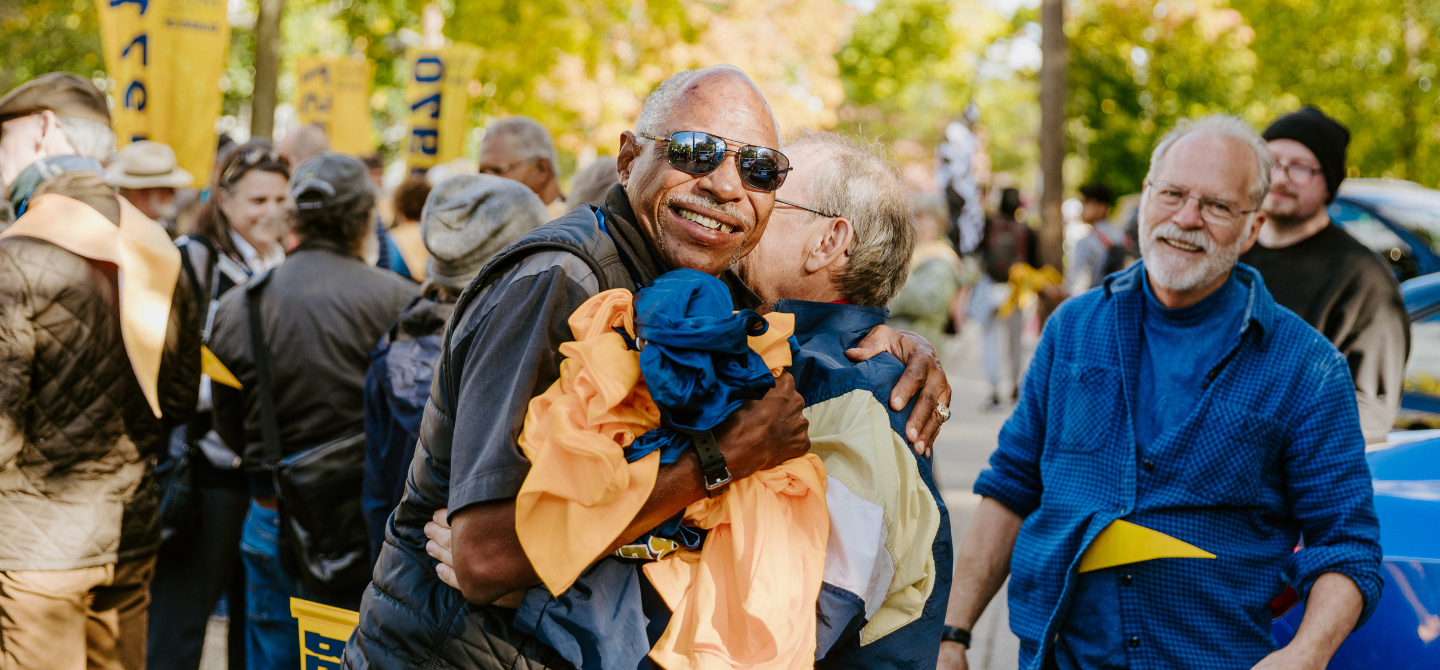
[425, 141]
[135, 88]
[435, 71]
[432, 100]
[316, 643]
[143, 41]
[144, 4]
[316, 663]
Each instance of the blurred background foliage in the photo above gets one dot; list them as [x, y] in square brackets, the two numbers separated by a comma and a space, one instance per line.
[897, 70]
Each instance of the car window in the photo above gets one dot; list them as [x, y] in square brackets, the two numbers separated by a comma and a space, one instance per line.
[1371, 232]
[1419, 214]
[1422, 373]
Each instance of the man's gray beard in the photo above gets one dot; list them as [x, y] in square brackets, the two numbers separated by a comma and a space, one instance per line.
[1172, 276]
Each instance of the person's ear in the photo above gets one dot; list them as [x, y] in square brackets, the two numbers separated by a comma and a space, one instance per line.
[630, 150]
[1254, 231]
[831, 247]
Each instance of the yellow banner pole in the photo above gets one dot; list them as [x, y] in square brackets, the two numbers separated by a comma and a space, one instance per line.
[166, 58]
[334, 93]
[439, 99]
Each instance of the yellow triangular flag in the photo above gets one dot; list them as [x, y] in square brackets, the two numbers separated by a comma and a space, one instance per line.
[1123, 542]
[212, 366]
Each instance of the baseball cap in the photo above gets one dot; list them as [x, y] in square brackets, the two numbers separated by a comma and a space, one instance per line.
[64, 93]
[328, 180]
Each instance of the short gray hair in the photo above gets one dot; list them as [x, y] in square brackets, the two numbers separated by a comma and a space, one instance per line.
[1226, 126]
[91, 139]
[855, 180]
[532, 140]
[661, 103]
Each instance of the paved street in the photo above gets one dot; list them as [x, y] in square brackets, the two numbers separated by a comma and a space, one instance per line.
[961, 452]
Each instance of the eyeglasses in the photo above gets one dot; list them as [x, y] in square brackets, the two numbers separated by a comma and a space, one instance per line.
[808, 209]
[1295, 172]
[498, 170]
[249, 159]
[695, 152]
[1214, 210]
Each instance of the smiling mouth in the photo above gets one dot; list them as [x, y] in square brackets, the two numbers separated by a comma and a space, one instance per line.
[1183, 246]
[702, 220]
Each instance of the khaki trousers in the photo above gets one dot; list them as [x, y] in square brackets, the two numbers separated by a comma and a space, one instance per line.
[90, 618]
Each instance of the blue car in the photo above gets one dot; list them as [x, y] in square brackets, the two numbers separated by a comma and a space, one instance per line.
[1399, 220]
[1402, 634]
[1420, 404]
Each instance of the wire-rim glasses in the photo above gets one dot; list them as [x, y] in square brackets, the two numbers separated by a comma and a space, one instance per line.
[1214, 210]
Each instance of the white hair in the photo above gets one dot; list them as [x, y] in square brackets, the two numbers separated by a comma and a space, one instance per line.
[91, 139]
[660, 105]
[1227, 126]
[856, 181]
[531, 140]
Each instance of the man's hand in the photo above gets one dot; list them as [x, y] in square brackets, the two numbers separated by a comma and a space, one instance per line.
[765, 433]
[922, 373]
[952, 657]
[438, 530]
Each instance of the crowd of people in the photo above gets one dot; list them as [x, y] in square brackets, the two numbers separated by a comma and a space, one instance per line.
[288, 385]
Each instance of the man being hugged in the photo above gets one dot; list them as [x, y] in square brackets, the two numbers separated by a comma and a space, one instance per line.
[1179, 400]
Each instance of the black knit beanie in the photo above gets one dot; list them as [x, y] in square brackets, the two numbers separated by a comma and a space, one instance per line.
[1322, 135]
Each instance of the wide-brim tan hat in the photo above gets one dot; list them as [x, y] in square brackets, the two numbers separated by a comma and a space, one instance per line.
[147, 164]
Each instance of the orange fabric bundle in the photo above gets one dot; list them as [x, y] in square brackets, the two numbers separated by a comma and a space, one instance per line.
[747, 598]
[580, 493]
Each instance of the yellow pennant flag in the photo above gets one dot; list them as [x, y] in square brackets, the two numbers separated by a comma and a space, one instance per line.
[210, 365]
[1123, 542]
[166, 57]
[437, 92]
[334, 93]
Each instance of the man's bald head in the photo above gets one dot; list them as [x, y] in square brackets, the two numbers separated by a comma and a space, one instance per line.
[303, 143]
[699, 86]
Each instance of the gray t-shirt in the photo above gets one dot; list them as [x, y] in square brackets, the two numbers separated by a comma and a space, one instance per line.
[509, 339]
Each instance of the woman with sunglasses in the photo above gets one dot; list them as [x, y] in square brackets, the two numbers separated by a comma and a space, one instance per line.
[200, 557]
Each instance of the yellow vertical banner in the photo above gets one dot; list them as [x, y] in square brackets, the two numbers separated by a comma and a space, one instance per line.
[334, 93]
[437, 92]
[166, 58]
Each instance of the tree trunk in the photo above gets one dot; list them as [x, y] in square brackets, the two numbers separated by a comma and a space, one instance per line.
[267, 69]
[1052, 131]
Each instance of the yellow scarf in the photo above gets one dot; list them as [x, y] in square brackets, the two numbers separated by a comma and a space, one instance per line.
[147, 261]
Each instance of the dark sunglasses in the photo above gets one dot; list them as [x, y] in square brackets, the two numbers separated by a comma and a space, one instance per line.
[248, 159]
[692, 151]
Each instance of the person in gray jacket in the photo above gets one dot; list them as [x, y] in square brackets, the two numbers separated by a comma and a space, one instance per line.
[321, 312]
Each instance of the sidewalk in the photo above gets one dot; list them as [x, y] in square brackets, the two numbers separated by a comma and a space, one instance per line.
[961, 452]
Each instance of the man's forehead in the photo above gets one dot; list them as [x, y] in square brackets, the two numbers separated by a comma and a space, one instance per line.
[1211, 164]
[1293, 151]
[727, 105]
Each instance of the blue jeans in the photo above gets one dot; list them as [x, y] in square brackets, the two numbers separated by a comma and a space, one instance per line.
[272, 637]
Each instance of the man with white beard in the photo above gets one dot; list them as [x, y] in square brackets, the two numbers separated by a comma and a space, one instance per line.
[1177, 434]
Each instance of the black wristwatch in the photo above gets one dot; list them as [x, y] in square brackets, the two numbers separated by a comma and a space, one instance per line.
[712, 463]
[953, 634]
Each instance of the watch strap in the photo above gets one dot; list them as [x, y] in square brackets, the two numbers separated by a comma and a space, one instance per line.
[953, 634]
[712, 463]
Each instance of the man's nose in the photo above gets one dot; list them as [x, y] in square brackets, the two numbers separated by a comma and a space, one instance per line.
[725, 183]
[1189, 214]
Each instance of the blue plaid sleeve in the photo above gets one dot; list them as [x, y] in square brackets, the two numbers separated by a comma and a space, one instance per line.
[1014, 475]
[1330, 493]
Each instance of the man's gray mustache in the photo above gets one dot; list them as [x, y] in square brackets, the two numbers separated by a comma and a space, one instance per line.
[726, 208]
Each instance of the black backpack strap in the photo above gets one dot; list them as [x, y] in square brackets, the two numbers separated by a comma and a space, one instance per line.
[259, 351]
[488, 274]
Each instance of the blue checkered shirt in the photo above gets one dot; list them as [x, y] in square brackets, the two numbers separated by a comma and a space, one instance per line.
[1271, 451]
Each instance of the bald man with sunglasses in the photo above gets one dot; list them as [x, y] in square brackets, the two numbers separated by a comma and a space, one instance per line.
[697, 182]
